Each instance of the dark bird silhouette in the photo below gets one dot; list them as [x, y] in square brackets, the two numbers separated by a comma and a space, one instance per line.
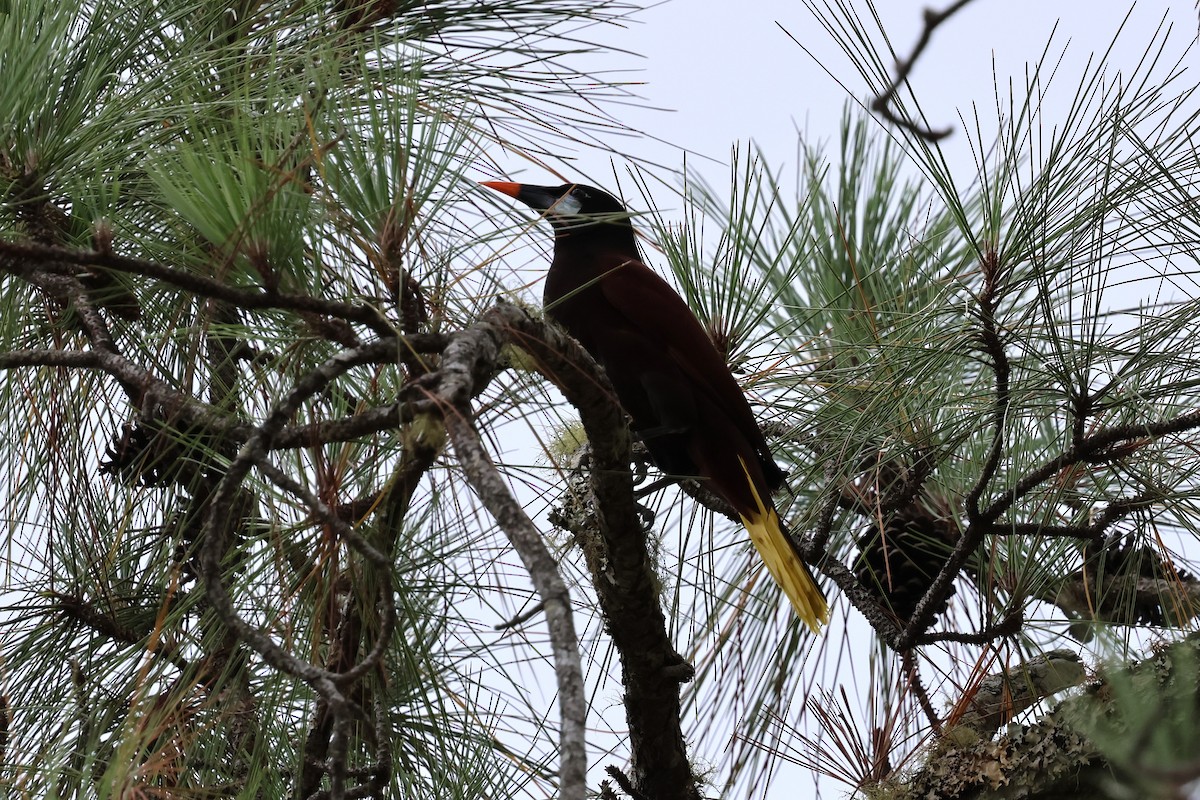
[668, 375]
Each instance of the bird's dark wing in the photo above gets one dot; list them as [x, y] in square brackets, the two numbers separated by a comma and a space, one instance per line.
[662, 318]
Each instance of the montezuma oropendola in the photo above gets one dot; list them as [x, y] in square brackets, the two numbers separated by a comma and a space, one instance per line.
[668, 375]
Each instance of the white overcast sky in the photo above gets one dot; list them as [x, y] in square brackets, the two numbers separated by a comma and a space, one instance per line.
[719, 72]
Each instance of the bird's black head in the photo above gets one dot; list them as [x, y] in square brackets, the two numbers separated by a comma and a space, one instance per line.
[571, 206]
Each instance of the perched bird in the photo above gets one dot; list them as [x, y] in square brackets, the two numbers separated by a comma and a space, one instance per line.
[668, 375]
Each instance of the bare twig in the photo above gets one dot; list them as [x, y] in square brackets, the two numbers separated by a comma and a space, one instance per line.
[882, 104]
[522, 618]
[622, 780]
[909, 662]
[1113, 513]
[994, 347]
[254, 452]
[146, 390]
[87, 614]
[377, 559]
[1096, 447]
[327, 684]
[1009, 626]
[5, 724]
[814, 549]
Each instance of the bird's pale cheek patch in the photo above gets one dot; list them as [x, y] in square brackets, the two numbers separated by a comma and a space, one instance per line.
[566, 206]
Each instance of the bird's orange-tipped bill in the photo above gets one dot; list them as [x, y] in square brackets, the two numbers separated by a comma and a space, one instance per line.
[503, 187]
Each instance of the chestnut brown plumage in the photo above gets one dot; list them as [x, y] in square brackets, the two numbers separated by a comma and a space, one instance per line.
[669, 377]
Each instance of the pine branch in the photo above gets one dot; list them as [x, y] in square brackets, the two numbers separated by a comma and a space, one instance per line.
[36, 263]
[977, 528]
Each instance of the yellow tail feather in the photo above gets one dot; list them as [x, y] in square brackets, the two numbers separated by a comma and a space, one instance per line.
[782, 561]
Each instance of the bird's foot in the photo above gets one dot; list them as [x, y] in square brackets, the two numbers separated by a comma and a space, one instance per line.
[678, 669]
[646, 516]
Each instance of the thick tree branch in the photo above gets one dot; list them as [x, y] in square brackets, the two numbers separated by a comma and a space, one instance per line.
[468, 363]
[621, 566]
[1091, 743]
[1000, 697]
[863, 599]
[78, 359]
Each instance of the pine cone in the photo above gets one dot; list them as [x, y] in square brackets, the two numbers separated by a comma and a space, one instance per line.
[900, 565]
[151, 455]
